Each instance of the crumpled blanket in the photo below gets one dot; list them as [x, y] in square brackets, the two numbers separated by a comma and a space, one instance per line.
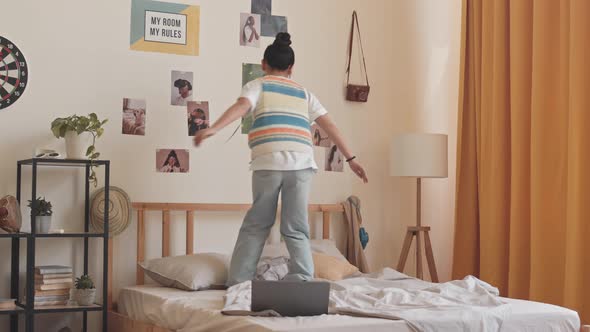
[461, 305]
[272, 268]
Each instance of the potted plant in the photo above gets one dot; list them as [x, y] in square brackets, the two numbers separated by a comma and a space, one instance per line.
[84, 292]
[80, 133]
[42, 210]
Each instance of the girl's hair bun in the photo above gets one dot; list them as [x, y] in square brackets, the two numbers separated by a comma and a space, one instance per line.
[283, 39]
[279, 55]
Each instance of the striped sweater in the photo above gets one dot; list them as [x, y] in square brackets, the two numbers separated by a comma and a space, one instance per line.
[281, 118]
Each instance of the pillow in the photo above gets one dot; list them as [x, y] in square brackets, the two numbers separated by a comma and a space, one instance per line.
[331, 268]
[190, 272]
[327, 247]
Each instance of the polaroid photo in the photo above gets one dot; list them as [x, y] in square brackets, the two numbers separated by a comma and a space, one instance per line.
[172, 161]
[197, 116]
[334, 160]
[134, 117]
[181, 87]
[250, 30]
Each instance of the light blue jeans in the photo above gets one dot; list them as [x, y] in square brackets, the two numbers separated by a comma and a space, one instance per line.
[294, 188]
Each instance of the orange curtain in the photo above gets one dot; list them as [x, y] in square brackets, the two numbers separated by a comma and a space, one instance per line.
[523, 161]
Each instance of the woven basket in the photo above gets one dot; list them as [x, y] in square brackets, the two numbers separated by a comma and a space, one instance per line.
[119, 211]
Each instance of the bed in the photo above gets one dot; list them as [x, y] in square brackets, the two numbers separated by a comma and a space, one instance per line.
[152, 308]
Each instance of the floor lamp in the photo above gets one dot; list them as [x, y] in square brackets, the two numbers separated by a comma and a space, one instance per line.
[419, 156]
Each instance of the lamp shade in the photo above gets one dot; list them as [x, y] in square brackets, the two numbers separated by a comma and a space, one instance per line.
[419, 155]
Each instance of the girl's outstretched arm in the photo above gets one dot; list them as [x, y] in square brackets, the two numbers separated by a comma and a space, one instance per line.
[326, 123]
[236, 111]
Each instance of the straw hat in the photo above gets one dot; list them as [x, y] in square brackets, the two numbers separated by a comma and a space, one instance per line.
[119, 211]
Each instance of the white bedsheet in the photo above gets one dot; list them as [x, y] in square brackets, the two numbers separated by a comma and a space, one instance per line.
[200, 311]
[463, 305]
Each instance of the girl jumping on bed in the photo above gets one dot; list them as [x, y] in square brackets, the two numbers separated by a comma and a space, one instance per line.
[282, 161]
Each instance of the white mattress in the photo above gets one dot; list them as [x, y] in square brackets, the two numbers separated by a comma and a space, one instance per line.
[200, 311]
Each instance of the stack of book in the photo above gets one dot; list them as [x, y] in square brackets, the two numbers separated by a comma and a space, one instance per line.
[7, 304]
[52, 285]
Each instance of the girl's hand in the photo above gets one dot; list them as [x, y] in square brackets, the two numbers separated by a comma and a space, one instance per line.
[358, 170]
[204, 134]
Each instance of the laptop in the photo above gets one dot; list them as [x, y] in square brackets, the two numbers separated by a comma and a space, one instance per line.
[291, 298]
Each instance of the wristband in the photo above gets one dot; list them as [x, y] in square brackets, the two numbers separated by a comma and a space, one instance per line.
[350, 159]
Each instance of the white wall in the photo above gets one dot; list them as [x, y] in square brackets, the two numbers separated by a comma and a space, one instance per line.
[80, 62]
[430, 67]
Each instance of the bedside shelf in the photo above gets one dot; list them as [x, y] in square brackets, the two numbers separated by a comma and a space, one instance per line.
[63, 162]
[51, 235]
[65, 308]
[70, 235]
[85, 233]
[16, 310]
[13, 235]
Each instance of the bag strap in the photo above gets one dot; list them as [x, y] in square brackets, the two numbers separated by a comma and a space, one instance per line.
[355, 19]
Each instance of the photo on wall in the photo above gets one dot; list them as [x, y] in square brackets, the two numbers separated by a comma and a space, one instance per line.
[262, 7]
[250, 72]
[198, 116]
[172, 161]
[164, 27]
[334, 160]
[250, 30]
[271, 25]
[320, 137]
[181, 89]
[134, 116]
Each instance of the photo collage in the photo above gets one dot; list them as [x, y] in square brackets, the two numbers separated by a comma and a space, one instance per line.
[260, 22]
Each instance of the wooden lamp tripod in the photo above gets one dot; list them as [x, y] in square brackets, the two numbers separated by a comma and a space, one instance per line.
[419, 156]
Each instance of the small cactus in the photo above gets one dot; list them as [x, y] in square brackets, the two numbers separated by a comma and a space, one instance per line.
[84, 282]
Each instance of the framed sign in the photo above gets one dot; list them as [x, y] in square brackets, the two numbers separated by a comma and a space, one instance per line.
[164, 27]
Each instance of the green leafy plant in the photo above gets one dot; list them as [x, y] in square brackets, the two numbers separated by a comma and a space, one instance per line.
[81, 124]
[40, 207]
[84, 282]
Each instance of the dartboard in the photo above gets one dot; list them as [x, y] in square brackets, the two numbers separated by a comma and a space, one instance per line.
[13, 73]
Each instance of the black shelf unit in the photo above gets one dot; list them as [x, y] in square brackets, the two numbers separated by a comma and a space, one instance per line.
[28, 309]
[74, 235]
[14, 275]
[16, 311]
[14, 235]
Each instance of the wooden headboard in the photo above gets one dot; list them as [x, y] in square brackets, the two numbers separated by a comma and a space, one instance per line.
[191, 210]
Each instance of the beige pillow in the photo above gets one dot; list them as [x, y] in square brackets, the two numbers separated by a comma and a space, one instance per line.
[190, 272]
[327, 247]
[331, 268]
